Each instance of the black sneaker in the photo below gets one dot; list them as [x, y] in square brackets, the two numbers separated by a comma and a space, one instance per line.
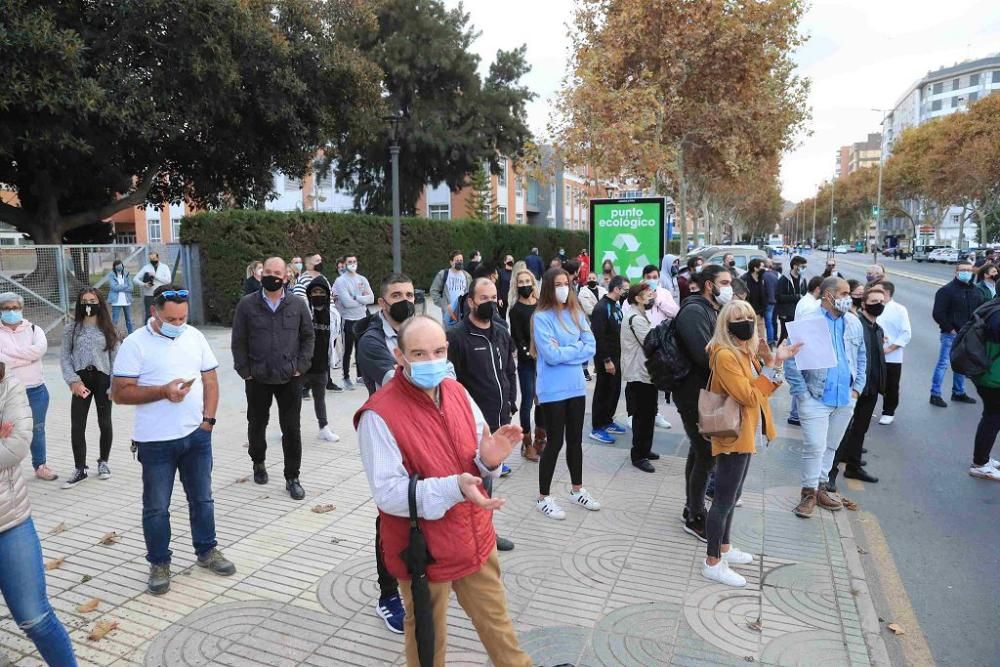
[259, 473]
[503, 544]
[938, 402]
[860, 474]
[334, 387]
[963, 398]
[79, 475]
[794, 421]
[295, 489]
[159, 579]
[653, 456]
[644, 465]
[697, 528]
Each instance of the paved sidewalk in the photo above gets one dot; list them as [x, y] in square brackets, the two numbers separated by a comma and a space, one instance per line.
[617, 587]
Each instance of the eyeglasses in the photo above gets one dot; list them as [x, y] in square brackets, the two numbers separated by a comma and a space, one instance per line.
[181, 294]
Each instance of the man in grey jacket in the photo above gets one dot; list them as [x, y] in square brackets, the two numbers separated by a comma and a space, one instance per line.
[450, 283]
[272, 342]
[827, 396]
[354, 295]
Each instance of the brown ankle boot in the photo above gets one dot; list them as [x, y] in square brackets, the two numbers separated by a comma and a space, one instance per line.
[540, 440]
[807, 504]
[827, 501]
[528, 449]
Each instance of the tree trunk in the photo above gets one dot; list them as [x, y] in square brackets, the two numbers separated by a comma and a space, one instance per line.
[682, 195]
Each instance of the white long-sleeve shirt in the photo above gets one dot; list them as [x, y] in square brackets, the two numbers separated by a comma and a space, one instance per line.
[354, 295]
[895, 323]
[389, 481]
[807, 304]
[161, 276]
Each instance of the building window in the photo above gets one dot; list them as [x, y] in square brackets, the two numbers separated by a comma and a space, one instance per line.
[973, 97]
[954, 218]
[518, 186]
[973, 79]
[996, 76]
[127, 238]
[956, 84]
[502, 176]
[936, 105]
[153, 230]
[438, 212]
[175, 230]
[292, 184]
[502, 215]
[938, 88]
[519, 218]
[954, 102]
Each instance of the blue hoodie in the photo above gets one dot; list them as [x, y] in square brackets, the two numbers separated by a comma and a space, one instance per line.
[560, 375]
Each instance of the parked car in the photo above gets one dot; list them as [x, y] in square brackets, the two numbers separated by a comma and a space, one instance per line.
[742, 254]
[944, 255]
[921, 252]
[842, 249]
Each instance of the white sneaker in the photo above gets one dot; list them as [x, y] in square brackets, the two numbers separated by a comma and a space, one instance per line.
[885, 420]
[993, 463]
[661, 422]
[737, 557]
[629, 422]
[584, 499]
[721, 573]
[326, 434]
[550, 508]
[985, 472]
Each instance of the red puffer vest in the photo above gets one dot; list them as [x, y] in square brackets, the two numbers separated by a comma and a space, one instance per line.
[434, 442]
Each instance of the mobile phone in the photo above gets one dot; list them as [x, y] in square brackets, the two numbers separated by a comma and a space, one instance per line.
[188, 383]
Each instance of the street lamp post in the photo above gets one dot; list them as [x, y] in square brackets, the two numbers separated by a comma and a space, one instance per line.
[833, 187]
[397, 260]
[812, 243]
[878, 197]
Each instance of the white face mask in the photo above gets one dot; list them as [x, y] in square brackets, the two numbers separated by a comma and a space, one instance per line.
[725, 294]
[697, 269]
[562, 293]
[352, 267]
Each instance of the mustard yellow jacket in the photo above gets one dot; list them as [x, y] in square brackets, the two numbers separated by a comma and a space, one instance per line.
[733, 375]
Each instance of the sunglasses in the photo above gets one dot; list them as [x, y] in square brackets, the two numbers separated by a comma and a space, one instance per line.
[178, 294]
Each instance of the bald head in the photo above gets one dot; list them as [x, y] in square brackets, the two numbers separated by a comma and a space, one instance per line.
[274, 266]
[421, 333]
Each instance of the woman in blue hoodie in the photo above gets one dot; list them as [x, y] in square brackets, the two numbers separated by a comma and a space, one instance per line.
[561, 342]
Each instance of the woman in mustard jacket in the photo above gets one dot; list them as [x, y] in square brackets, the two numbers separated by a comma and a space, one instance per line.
[734, 359]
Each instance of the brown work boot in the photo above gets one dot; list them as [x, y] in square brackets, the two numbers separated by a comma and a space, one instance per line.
[807, 504]
[540, 440]
[828, 501]
[528, 449]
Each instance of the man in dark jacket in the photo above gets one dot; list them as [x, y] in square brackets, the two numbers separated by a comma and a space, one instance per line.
[757, 297]
[535, 264]
[791, 288]
[953, 306]
[503, 285]
[849, 450]
[695, 324]
[686, 278]
[606, 325]
[771, 276]
[272, 343]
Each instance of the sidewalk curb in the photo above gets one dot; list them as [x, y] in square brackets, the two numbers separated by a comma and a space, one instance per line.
[892, 272]
[871, 628]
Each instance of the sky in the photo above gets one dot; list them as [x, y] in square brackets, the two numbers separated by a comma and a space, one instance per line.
[860, 55]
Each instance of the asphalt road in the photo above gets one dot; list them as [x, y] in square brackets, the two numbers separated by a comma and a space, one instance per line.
[941, 526]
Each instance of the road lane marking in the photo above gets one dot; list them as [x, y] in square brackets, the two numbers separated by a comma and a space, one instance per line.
[913, 644]
[854, 485]
[892, 272]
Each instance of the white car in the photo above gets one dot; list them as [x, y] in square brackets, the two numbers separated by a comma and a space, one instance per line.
[841, 250]
[944, 255]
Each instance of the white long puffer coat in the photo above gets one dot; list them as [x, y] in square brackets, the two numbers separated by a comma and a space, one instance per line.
[14, 506]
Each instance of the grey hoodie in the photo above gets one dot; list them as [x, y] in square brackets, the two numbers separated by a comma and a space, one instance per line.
[668, 281]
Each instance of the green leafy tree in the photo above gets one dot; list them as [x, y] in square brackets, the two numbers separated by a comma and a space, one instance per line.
[109, 105]
[480, 205]
[451, 120]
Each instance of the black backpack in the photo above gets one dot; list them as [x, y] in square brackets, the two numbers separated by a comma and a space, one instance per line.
[666, 363]
[968, 352]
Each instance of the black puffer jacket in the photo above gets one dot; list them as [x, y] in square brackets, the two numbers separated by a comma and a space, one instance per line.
[484, 364]
[954, 304]
[271, 346]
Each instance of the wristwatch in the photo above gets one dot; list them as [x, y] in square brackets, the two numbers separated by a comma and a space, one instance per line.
[208, 420]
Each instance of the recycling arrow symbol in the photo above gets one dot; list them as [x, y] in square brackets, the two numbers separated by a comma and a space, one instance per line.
[635, 271]
[626, 241]
[610, 254]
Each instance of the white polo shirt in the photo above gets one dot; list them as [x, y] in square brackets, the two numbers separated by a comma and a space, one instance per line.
[154, 360]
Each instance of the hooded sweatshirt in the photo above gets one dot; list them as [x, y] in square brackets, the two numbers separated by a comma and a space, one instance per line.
[321, 324]
[668, 280]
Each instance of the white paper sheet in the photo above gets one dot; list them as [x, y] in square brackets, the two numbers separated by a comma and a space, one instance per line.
[817, 349]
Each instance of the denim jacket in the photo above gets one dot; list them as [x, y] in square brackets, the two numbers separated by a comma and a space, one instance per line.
[814, 381]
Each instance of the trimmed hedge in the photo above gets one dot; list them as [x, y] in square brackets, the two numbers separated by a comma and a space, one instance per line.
[229, 240]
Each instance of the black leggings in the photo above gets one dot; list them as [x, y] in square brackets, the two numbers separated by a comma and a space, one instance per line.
[563, 419]
[730, 471]
[699, 461]
[317, 382]
[98, 383]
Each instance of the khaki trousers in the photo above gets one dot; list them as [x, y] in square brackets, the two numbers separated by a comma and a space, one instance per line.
[482, 596]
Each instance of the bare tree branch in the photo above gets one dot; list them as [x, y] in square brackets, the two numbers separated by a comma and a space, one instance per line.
[134, 198]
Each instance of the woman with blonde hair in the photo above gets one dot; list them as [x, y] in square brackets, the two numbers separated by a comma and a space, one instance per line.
[255, 270]
[524, 296]
[736, 371]
[561, 342]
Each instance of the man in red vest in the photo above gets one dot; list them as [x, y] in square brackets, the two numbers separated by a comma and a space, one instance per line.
[425, 423]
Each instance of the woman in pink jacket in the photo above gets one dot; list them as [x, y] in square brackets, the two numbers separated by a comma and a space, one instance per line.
[22, 346]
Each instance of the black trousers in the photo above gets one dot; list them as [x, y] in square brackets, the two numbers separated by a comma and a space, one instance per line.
[730, 472]
[890, 401]
[645, 400]
[387, 584]
[350, 342]
[989, 425]
[317, 383]
[563, 421]
[699, 459]
[289, 398]
[607, 391]
[849, 450]
[781, 328]
[98, 383]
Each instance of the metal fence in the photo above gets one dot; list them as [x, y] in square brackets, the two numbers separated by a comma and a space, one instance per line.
[49, 277]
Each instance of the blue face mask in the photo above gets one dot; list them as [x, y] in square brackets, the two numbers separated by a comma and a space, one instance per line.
[653, 283]
[11, 317]
[172, 330]
[428, 374]
[965, 276]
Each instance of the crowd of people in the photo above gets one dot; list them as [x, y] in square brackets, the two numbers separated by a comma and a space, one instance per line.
[514, 338]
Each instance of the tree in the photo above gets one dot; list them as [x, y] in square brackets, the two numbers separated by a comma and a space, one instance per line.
[480, 206]
[112, 105]
[452, 121]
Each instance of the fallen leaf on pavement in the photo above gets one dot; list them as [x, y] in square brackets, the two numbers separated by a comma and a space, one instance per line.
[897, 629]
[323, 509]
[101, 628]
[89, 606]
[55, 563]
[243, 480]
[110, 538]
[755, 625]
[862, 550]
[58, 529]
[85, 578]
[849, 504]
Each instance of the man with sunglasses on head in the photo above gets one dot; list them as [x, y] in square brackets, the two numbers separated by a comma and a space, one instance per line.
[272, 342]
[167, 370]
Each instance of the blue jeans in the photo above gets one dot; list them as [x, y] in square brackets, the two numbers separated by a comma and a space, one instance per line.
[526, 383]
[38, 399]
[22, 582]
[118, 311]
[192, 457]
[769, 323]
[943, 364]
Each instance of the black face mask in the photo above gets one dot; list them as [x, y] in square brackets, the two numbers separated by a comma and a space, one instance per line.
[648, 305]
[673, 270]
[154, 263]
[857, 301]
[86, 309]
[525, 291]
[591, 284]
[458, 265]
[742, 330]
[622, 299]
[875, 309]
[318, 268]
[319, 300]
[271, 283]
[484, 311]
[402, 311]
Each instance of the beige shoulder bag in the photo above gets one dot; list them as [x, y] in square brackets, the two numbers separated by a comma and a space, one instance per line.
[719, 415]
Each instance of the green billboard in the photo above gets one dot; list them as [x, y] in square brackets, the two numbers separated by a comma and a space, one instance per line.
[629, 232]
